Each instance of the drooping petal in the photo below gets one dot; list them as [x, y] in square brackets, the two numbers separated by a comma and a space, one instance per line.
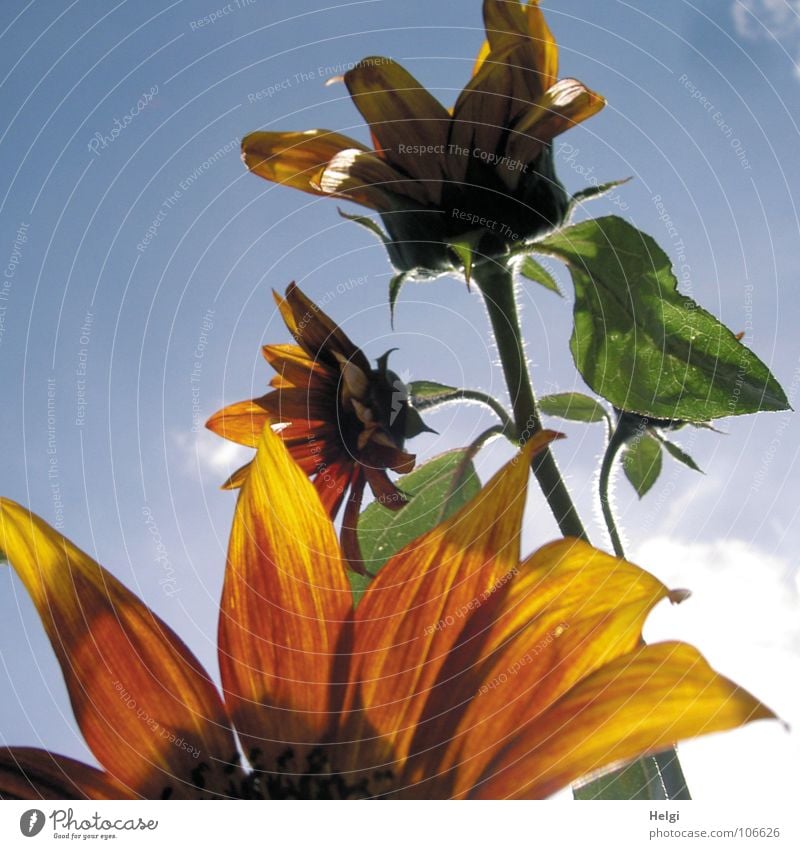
[569, 610]
[297, 159]
[36, 774]
[641, 702]
[400, 647]
[146, 707]
[408, 124]
[284, 603]
[562, 106]
[241, 422]
[510, 24]
[294, 365]
[316, 332]
[354, 174]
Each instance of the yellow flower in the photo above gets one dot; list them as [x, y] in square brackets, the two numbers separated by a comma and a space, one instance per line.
[479, 175]
[344, 422]
[463, 672]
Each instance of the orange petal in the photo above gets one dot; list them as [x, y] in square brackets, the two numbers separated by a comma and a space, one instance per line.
[145, 706]
[237, 479]
[399, 648]
[316, 332]
[36, 774]
[512, 25]
[241, 422]
[569, 610]
[284, 603]
[331, 484]
[562, 106]
[294, 365]
[409, 125]
[639, 703]
[357, 176]
[296, 159]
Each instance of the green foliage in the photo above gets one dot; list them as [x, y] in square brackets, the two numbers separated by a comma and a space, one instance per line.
[573, 406]
[435, 495]
[641, 344]
[533, 270]
[641, 461]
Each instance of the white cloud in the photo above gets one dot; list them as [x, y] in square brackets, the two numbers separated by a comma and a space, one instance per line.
[744, 616]
[764, 18]
[205, 454]
[778, 20]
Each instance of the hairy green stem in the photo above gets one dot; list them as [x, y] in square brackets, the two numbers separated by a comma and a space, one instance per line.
[616, 439]
[467, 395]
[496, 283]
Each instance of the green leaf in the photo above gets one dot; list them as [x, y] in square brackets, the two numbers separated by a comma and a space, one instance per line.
[641, 460]
[424, 390]
[539, 274]
[642, 345]
[595, 192]
[395, 285]
[637, 780]
[573, 406]
[465, 248]
[383, 532]
[368, 223]
[681, 456]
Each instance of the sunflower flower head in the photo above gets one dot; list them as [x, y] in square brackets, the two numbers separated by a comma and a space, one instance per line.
[343, 422]
[464, 671]
[477, 178]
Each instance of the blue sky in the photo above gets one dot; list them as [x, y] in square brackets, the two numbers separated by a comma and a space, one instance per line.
[131, 236]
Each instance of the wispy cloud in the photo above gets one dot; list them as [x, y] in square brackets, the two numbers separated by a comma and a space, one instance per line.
[205, 454]
[778, 20]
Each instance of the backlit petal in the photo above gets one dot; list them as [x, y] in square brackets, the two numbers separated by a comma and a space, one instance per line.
[641, 702]
[295, 158]
[408, 123]
[564, 105]
[316, 332]
[284, 603]
[36, 774]
[241, 422]
[145, 706]
[360, 176]
[399, 650]
[569, 610]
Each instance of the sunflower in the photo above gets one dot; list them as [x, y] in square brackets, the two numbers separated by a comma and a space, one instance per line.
[463, 672]
[479, 176]
[344, 422]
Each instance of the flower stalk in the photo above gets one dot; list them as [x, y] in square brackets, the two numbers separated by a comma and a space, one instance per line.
[496, 282]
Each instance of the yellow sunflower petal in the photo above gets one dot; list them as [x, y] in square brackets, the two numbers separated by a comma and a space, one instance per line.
[353, 173]
[146, 707]
[241, 422]
[296, 159]
[562, 106]
[569, 610]
[408, 123]
[510, 24]
[36, 774]
[237, 479]
[293, 364]
[284, 604]
[400, 644]
[641, 702]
